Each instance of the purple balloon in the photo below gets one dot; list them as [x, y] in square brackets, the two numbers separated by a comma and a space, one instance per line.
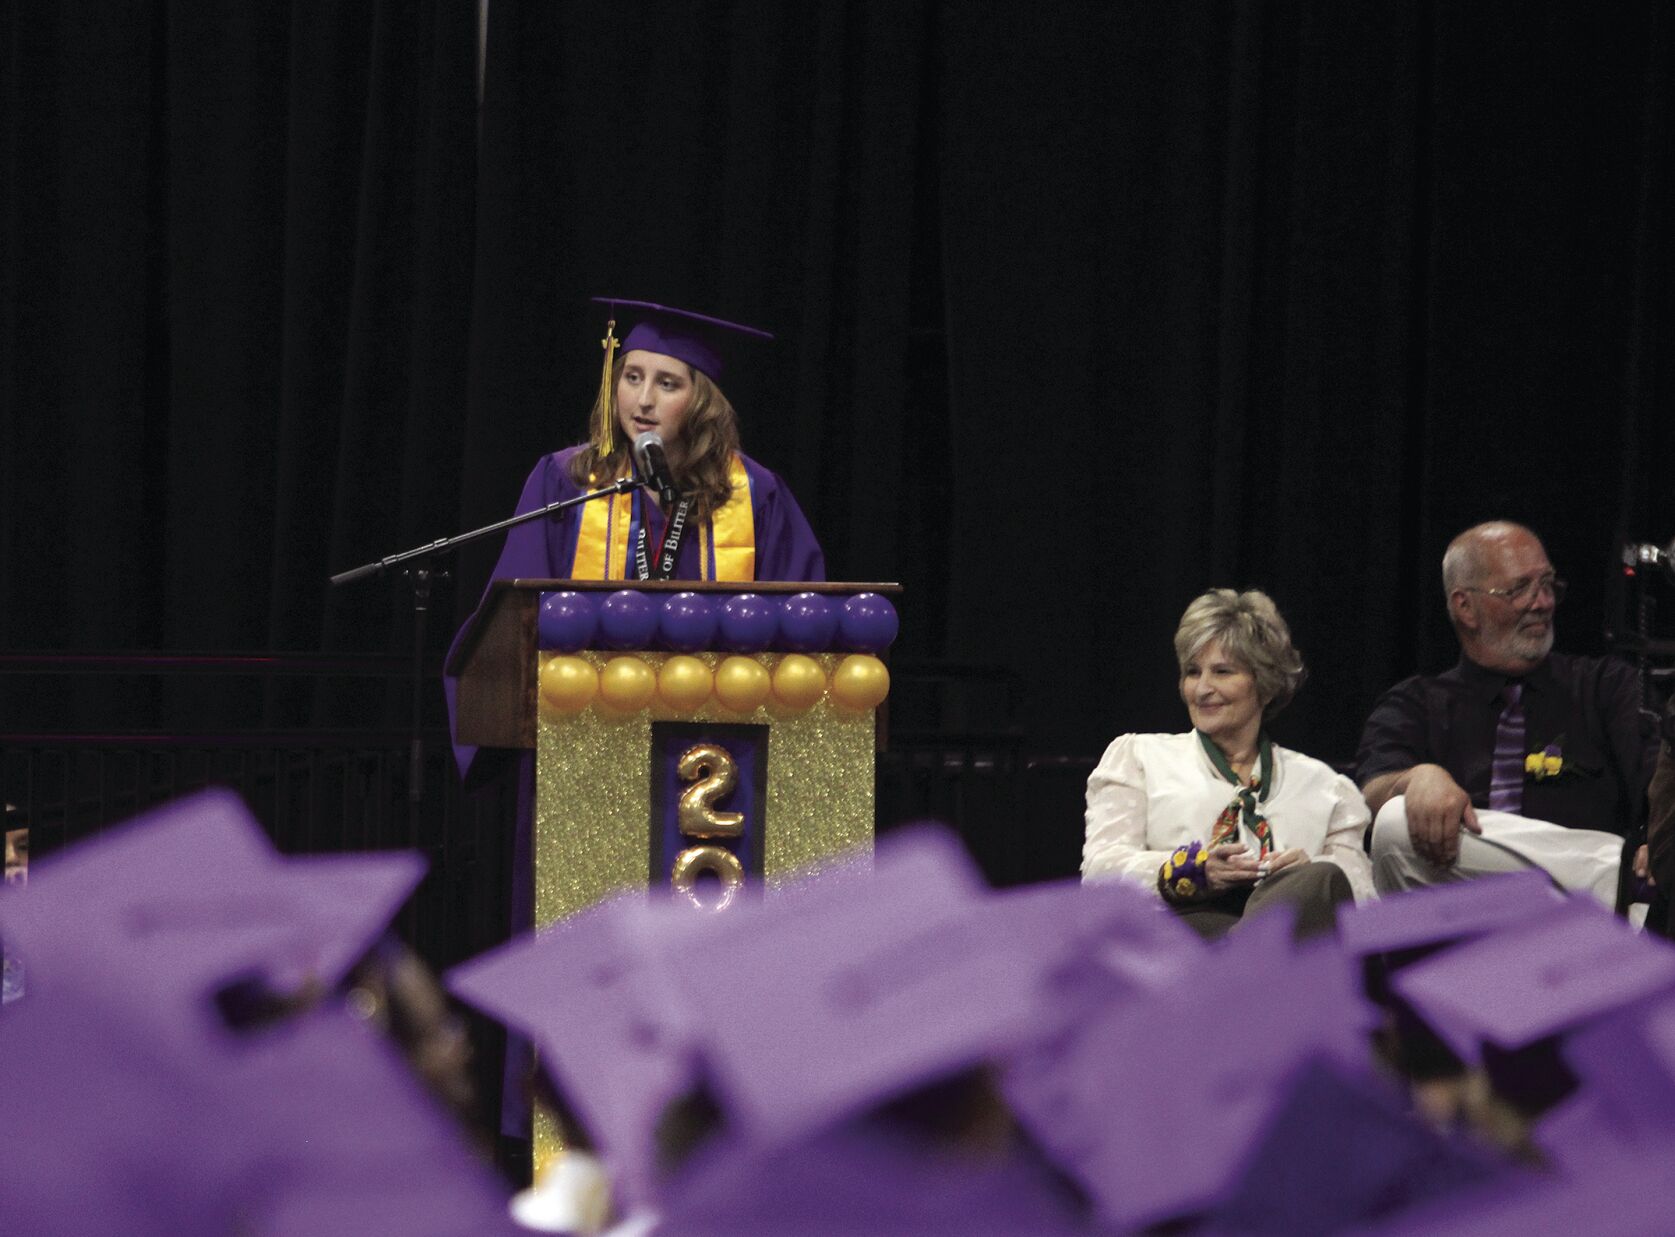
[567, 621]
[869, 623]
[688, 622]
[628, 620]
[749, 622]
[807, 623]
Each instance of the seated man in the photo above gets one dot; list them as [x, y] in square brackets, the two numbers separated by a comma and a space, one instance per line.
[1518, 757]
[1660, 826]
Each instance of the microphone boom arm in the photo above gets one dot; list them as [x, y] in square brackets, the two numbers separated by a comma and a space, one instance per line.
[445, 545]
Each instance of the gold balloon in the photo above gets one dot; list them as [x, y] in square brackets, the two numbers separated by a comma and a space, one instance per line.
[568, 684]
[742, 684]
[627, 684]
[798, 681]
[684, 683]
[695, 859]
[714, 773]
[860, 682]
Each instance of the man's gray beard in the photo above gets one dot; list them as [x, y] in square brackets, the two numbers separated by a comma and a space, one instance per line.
[1529, 646]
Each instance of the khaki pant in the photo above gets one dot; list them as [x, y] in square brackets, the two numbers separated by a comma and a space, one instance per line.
[1314, 888]
[1577, 860]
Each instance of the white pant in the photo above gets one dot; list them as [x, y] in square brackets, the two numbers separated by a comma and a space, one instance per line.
[1578, 860]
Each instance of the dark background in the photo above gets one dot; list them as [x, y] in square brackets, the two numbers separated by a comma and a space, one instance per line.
[1082, 308]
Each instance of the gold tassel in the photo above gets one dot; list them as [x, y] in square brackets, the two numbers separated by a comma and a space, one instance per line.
[604, 416]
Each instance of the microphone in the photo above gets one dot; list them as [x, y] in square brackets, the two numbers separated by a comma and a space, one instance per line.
[653, 464]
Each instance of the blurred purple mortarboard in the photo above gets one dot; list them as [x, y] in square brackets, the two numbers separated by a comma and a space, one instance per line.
[312, 1126]
[1091, 939]
[611, 1027]
[1616, 1197]
[181, 902]
[330, 1133]
[703, 342]
[1342, 1152]
[861, 1178]
[1446, 913]
[1154, 1100]
[130, 1106]
[829, 997]
[1624, 1063]
[1522, 985]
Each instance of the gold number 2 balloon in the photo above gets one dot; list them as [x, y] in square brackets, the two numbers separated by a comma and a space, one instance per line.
[711, 770]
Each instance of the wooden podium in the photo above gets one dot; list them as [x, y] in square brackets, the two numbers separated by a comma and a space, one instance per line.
[716, 738]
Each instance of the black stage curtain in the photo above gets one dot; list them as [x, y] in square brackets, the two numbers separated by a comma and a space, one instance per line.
[1082, 308]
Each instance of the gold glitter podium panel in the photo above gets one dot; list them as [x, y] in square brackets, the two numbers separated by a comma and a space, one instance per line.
[716, 739]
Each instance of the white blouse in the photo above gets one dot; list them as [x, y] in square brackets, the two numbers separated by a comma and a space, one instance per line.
[1154, 792]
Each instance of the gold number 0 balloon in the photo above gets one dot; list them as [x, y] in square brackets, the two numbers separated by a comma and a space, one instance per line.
[714, 775]
[695, 859]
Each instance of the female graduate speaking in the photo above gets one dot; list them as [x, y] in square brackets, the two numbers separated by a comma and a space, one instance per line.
[732, 519]
[722, 516]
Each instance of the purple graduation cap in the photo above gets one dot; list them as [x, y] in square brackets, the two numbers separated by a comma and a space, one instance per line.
[1625, 1063]
[1344, 1152]
[1446, 913]
[132, 1105]
[1522, 985]
[1153, 1101]
[862, 1177]
[326, 1131]
[1617, 1197]
[834, 995]
[701, 341]
[182, 902]
[609, 1023]
[1397, 931]
[311, 1126]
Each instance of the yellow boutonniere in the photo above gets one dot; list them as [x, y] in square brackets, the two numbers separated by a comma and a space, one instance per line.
[1542, 765]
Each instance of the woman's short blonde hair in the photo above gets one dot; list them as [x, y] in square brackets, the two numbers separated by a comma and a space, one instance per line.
[1252, 633]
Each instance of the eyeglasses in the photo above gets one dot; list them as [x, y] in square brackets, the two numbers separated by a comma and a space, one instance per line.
[1524, 593]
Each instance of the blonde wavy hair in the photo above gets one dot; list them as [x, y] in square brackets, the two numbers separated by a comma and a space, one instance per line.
[702, 460]
[1252, 633]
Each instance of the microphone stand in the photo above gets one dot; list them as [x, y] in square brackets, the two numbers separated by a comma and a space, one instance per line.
[421, 576]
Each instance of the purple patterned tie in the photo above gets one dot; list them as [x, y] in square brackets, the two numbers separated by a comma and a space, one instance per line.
[1506, 773]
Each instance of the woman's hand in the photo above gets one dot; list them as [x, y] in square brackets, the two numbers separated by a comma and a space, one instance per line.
[1283, 859]
[1229, 866]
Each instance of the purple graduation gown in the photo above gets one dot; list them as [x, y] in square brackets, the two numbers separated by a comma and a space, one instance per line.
[786, 549]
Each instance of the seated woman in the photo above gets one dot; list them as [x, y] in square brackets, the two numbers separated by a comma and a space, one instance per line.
[1221, 821]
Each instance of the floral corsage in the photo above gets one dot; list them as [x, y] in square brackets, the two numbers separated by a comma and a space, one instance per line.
[1183, 877]
[1551, 762]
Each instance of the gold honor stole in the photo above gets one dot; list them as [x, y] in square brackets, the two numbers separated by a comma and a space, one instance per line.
[726, 549]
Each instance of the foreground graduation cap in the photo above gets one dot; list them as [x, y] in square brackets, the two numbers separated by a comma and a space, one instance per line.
[1522, 985]
[193, 896]
[1617, 1197]
[610, 1025]
[1342, 1152]
[791, 1012]
[1445, 914]
[1626, 1065]
[127, 1102]
[313, 1127]
[860, 987]
[864, 1176]
[816, 1004]
[1152, 1104]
